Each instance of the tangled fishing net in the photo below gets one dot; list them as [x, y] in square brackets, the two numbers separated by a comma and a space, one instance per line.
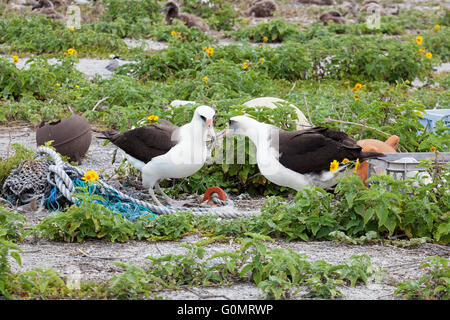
[54, 184]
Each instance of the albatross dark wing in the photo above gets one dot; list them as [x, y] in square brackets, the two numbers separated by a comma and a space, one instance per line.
[145, 143]
[313, 150]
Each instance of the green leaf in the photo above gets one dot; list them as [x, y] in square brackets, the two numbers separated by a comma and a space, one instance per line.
[390, 224]
[368, 214]
[350, 196]
[382, 214]
[16, 257]
[246, 269]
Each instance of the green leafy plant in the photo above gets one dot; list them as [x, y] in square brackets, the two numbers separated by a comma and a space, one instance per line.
[7, 248]
[278, 273]
[45, 35]
[276, 30]
[132, 11]
[434, 285]
[86, 220]
[12, 225]
[6, 165]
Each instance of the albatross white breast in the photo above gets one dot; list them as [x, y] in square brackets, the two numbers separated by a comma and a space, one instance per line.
[295, 159]
[163, 151]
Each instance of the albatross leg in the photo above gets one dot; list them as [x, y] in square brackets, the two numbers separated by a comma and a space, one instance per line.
[155, 199]
[175, 203]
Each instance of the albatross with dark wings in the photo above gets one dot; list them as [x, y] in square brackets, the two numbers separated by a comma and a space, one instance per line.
[164, 151]
[295, 159]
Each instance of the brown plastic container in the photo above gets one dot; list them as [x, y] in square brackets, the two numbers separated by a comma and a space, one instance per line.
[71, 136]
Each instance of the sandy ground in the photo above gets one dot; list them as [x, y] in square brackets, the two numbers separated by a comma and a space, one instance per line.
[93, 260]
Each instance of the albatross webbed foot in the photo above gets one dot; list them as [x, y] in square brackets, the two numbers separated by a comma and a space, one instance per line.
[172, 202]
[183, 203]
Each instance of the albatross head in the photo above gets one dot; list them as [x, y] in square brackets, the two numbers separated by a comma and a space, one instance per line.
[246, 126]
[43, 4]
[171, 8]
[204, 115]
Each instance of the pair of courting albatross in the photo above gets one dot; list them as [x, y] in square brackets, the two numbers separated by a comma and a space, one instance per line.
[291, 159]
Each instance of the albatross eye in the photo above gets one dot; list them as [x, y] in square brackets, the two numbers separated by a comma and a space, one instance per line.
[203, 118]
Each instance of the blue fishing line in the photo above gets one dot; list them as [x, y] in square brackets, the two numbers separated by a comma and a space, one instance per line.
[111, 199]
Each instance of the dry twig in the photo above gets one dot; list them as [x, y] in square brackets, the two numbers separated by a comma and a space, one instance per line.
[307, 109]
[98, 103]
[361, 125]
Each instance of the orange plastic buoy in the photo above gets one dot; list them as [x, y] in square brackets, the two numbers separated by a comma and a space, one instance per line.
[373, 145]
[207, 197]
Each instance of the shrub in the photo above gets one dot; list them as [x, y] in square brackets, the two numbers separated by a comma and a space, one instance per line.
[434, 285]
[276, 30]
[132, 11]
[220, 15]
[44, 35]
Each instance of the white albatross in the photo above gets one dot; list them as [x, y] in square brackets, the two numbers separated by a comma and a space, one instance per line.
[164, 151]
[295, 159]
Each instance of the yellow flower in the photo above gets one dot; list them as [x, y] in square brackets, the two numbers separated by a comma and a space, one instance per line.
[422, 50]
[262, 60]
[15, 59]
[357, 87]
[345, 161]
[244, 65]
[433, 149]
[72, 28]
[265, 39]
[71, 51]
[77, 86]
[58, 84]
[91, 175]
[205, 79]
[437, 27]
[205, 48]
[429, 55]
[357, 164]
[173, 33]
[153, 118]
[419, 40]
[407, 82]
[356, 97]
[210, 51]
[244, 20]
[334, 166]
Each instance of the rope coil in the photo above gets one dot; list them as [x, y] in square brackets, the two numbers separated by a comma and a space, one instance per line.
[58, 172]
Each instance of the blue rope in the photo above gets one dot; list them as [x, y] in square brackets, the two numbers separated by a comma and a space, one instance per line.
[111, 199]
[52, 199]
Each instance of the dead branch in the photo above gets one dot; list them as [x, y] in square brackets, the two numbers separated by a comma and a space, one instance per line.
[361, 125]
[98, 103]
[307, 109]
[356, 124]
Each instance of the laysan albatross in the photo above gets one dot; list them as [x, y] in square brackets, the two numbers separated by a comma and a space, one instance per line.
[163, 151]
[295, 159]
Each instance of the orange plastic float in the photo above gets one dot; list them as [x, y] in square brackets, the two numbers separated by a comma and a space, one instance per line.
[209, 192]
[374, 145]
